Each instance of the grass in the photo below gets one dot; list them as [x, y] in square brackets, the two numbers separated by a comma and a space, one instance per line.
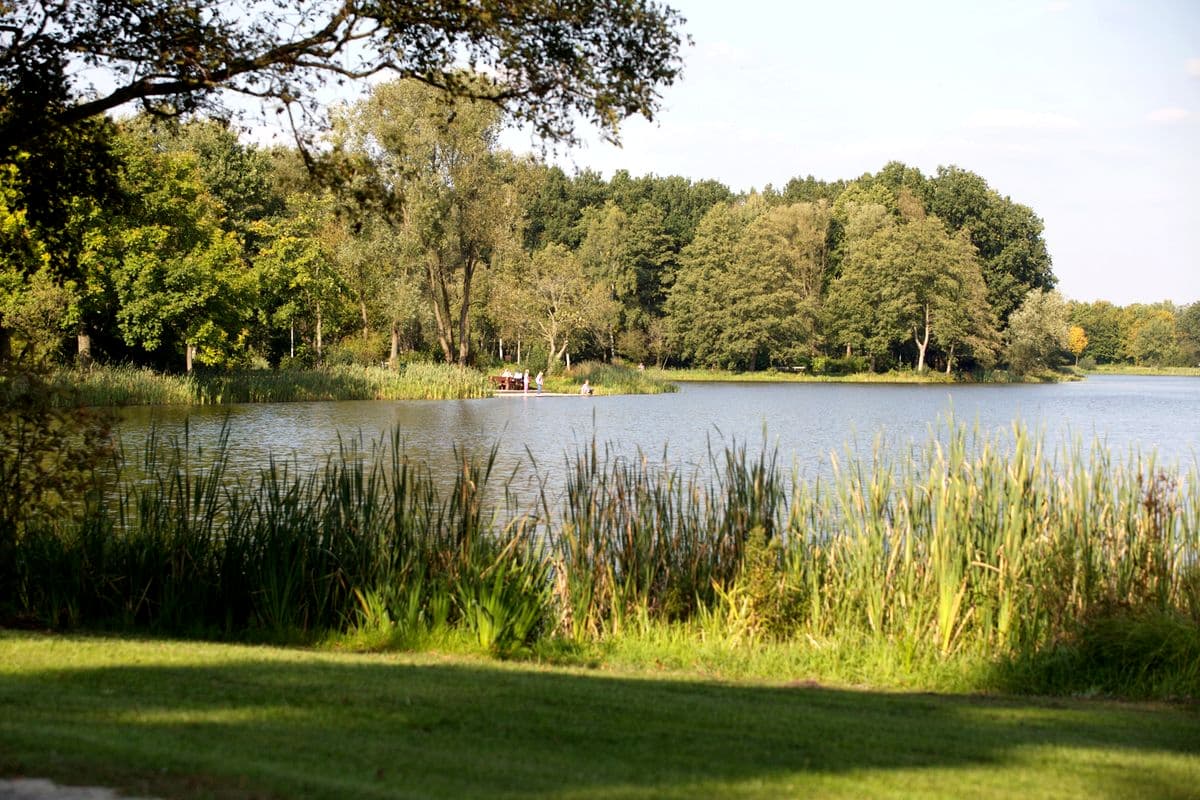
[891, 376]
[605, 379]
[1130, 369]
[777, 376]
[190, 720]
[123, 386]
[133, 386]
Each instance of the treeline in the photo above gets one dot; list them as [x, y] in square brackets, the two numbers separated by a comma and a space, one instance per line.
[412, 236]
[1155, 335]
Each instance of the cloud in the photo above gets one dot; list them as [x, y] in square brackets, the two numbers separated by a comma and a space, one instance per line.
[1058, 6]
[1168, 115]
[1020, 118]
[1193, 67]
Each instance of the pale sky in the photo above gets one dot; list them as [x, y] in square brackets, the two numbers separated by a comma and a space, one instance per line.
[1088, 111]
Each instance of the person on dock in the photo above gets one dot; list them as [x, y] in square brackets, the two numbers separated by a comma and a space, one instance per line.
[526, 380]
[538, 381]
[586, 388]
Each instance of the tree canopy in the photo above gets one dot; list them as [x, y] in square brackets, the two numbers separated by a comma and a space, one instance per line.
[600, 61]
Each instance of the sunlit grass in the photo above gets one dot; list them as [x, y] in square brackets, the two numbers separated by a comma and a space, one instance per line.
[123, 386]
[179, 719]
[1130, 369]
[780, 376]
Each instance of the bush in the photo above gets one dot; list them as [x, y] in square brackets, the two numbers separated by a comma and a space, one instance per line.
[368, 350]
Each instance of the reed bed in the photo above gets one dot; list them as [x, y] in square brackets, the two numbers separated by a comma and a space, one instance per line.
[981, 550]
[123, 386]
[610, 379]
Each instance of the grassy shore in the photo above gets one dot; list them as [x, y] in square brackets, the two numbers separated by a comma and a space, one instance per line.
[894, 376]
[1129, 369]
[128, 386]
[189, 720]
[133, 386]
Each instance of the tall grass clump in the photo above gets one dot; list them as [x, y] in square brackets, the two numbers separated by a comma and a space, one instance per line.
[610, 379]
[182, 546]
[343, 382]
[124, 386]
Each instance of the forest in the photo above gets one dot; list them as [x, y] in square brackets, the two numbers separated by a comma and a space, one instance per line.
[407, 234]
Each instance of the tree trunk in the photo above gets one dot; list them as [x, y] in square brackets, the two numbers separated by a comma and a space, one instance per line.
[292, 339]
[84, 345]
[320, 320]
[395, 354]
[849, 352]
[440, 295]
[189, 356]
[949, 359]
[464, 314]
[362, 310]
[921, 345]
[502, 350]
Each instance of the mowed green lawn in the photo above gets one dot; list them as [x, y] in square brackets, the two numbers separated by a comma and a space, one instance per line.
[182, 719]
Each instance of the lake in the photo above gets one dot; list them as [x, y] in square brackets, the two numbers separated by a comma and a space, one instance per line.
[804, 421]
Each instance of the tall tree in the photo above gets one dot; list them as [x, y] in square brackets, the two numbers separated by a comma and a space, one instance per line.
[449, 192]
[295, 269]
[177, 276]
[1151, 338]
[788, 243]
[1007, 235]
[555, 298]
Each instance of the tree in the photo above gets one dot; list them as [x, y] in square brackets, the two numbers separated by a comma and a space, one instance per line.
[697, 298]
[1007, 235]
[1102, 323]
[1152, 338]
[600, 61]
[22, 254]
[1077, 341]
[738, 300]
[295, 270]
[442, 184]
[1037, 332]
[555, 298]
[177, 276]
[787, 245]
[1187, 325]
[909, 280]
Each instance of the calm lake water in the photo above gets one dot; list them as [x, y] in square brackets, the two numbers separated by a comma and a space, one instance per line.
[805, 422]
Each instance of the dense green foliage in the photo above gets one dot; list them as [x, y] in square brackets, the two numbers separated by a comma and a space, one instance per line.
[987, 550]
[416, 238]
[177, 719]
[1158, 335]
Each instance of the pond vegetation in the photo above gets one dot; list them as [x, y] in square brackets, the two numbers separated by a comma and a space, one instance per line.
[981, 564]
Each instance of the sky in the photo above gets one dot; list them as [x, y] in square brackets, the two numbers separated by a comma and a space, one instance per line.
[1087, 111]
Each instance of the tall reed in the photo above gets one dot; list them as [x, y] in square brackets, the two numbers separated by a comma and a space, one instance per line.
[123, 386]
